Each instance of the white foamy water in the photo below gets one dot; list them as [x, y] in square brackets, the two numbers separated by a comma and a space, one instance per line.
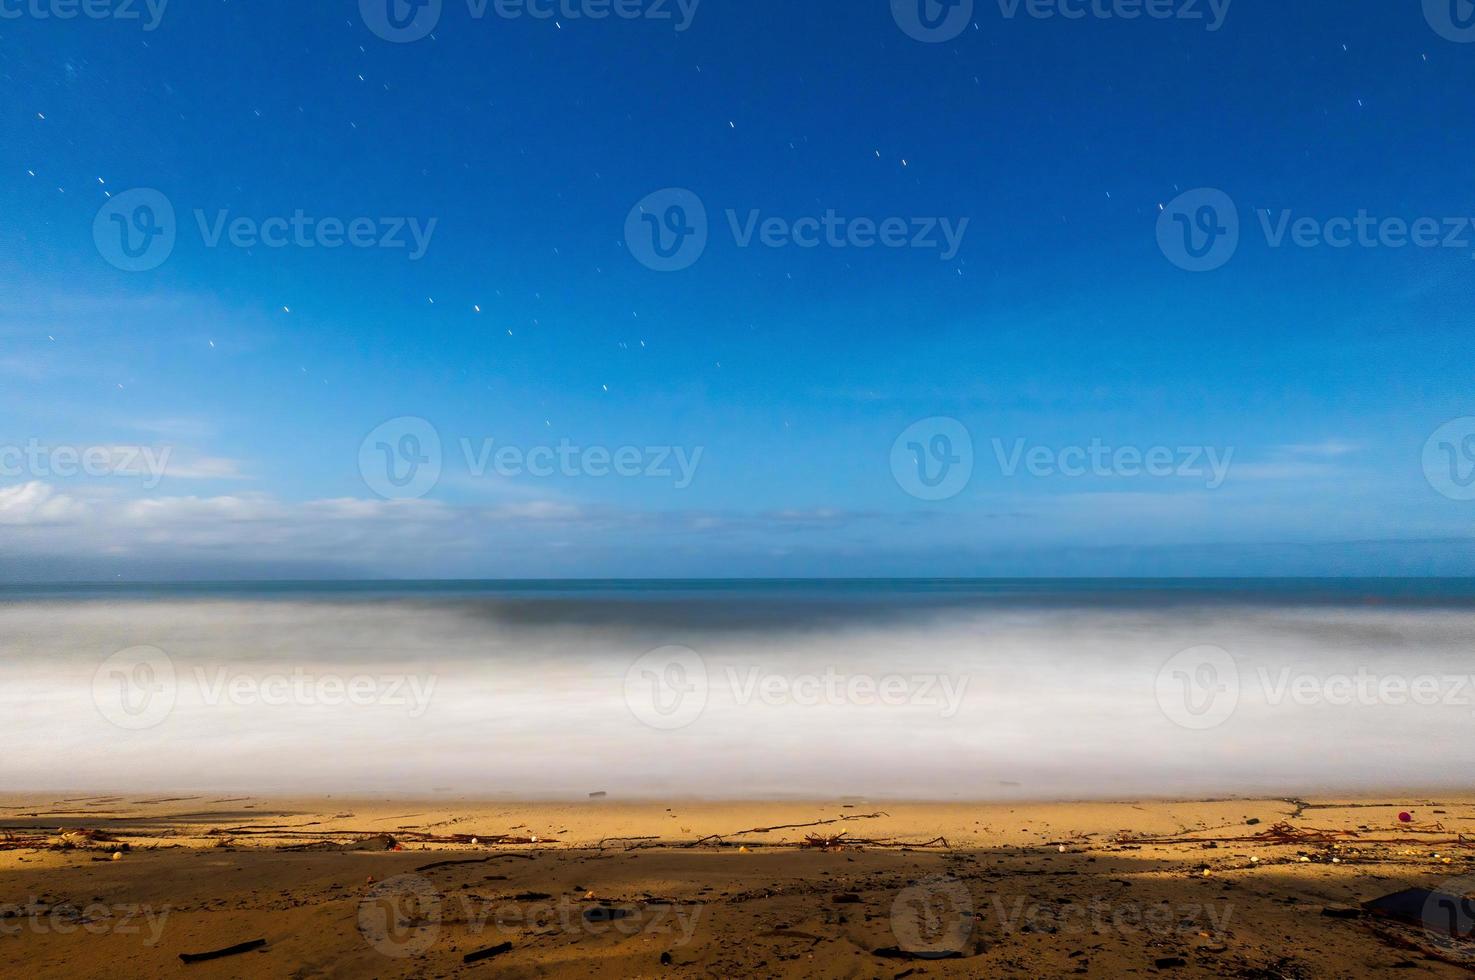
[549, 699]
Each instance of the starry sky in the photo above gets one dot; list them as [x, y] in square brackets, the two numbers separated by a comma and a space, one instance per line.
[286, 372]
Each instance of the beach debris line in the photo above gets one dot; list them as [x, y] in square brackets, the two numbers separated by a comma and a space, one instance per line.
[82, 839]
[838, 841]
[1284, 833]
[788, 826]
[480, 860]
[216, 954]
[363, 840]
[13, 842]
[842, 841]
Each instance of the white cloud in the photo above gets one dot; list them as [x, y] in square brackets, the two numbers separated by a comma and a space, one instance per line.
[36, 503]
[40, 520]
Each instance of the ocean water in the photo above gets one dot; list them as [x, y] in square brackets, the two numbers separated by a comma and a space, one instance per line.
[910, 689]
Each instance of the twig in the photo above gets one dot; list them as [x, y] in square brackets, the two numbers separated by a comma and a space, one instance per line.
[787, 826]
[215, 954]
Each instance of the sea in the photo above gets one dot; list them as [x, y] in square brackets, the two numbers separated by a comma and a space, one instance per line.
[945, 689]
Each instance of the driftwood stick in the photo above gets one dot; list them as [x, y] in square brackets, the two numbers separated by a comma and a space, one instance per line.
[787, 826]
[216, 954]
[482, 954]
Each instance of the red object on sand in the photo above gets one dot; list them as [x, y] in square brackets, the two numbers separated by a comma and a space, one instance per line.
[1405, 817]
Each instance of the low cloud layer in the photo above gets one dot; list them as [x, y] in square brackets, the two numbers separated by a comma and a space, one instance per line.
[83, 532]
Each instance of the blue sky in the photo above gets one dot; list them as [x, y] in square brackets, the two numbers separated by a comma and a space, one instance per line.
[1322, 373]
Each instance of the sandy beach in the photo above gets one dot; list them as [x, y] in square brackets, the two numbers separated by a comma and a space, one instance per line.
[109, 885]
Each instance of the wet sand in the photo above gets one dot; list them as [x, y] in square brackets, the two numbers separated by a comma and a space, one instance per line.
[841, 888]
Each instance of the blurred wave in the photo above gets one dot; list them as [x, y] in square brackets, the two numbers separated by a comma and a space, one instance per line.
[920, 692]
